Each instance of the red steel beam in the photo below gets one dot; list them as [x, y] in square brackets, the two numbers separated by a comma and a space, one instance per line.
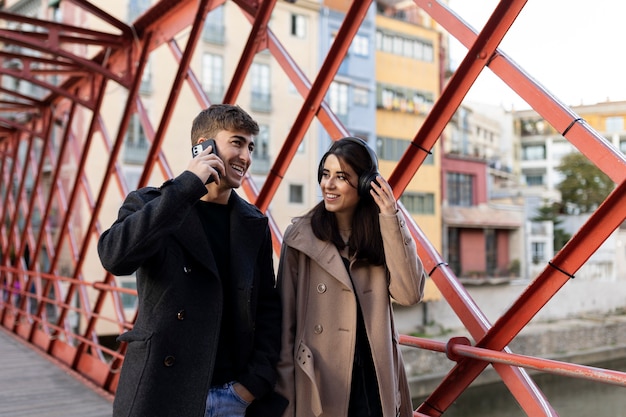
[460, 347]
[192, 41]
[608, 217]
[256, 40]
[313, 100]
[461, 81]
[562, 118]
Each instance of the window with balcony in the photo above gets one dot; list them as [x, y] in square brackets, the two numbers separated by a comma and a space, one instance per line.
[214, 28]
[406, 100]
[135, 143]
[260, 157]
[261, 99]
[534, 152]
[213, 76]
[460, 189]
[534, 179]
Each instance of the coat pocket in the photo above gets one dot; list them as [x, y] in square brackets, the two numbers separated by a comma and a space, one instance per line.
[133, 369]
[306, 363]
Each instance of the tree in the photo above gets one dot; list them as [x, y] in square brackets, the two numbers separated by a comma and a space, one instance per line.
[584, 186]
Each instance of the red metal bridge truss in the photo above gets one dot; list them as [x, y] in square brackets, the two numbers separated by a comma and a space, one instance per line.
[55, 51]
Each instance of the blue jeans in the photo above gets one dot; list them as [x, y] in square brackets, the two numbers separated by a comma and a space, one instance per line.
[224, 401]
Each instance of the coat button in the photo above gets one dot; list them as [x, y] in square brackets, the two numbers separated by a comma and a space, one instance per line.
[318, 329]
[321, 288]
[180, 315]
[169, 361]
[187, 269]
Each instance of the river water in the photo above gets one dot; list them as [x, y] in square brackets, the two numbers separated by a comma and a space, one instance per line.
[570, 397]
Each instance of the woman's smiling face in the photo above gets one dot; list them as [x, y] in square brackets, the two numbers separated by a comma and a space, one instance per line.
[340, 195]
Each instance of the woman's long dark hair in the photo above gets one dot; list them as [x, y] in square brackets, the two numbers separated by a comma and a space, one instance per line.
[365, 241]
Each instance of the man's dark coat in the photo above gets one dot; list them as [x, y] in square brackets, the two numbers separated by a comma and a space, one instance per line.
[171, 349]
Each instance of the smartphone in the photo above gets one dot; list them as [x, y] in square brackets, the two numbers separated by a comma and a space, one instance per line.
[196, 149]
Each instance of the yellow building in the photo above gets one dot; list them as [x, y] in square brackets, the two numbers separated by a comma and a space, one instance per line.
[408, 81]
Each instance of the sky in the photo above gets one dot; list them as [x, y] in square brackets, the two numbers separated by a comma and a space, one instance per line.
[573, 48]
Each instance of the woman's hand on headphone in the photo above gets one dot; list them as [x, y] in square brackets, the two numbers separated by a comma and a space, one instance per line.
[383, 196]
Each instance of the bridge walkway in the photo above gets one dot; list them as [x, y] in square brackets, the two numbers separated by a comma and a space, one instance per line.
[31, 384]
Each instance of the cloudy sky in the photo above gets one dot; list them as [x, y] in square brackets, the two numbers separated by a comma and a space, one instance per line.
[574, 48]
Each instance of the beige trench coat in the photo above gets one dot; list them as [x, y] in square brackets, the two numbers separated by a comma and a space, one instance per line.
[320, 315]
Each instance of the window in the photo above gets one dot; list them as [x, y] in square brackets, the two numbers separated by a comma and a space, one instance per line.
[296, 193]
[460, 189]
[413, 48]
[454, 250]
[393, 149]
[360, 46]
[146, 78]
[361, 96]
[129, 301]
[212, 76]
[136, 144]
[418, 203]
[406, 100]
[397, 44]
[261, 96]
[298, 26]
[534, 179]
[530, 127]
[338, 98]
[538, 251]
[622, 146]
[260, 157]
[534, 152]
[614, 124]
[214, 26]
[261, 149]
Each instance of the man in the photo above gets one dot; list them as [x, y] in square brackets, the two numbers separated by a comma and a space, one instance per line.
[207, 335]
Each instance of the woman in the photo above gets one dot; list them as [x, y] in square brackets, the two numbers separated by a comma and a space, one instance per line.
[339, 266]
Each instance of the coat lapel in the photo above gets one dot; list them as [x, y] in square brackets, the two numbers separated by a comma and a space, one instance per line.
[247, 228]
[191, 236]
[325, 254]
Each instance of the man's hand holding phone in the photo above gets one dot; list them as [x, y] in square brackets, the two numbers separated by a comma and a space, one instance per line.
[206, 163]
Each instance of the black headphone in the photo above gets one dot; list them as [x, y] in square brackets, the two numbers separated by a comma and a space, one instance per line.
[366, 178]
